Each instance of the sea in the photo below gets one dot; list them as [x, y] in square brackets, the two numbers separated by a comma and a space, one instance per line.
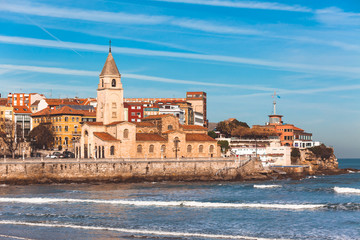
[316, 207]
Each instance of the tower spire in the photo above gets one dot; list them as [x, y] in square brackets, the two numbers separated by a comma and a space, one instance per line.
[109, 46]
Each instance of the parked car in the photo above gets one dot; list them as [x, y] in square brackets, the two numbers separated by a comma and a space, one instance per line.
[67, 154]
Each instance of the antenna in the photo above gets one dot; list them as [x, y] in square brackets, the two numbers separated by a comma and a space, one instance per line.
[109, 46]
[274, 96]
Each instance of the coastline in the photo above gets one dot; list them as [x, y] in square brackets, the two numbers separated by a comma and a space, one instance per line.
[25, 173]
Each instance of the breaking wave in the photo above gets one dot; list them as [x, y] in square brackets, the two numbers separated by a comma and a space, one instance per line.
[267, 186]
[136, 231]
[164, 203]
[347, 190]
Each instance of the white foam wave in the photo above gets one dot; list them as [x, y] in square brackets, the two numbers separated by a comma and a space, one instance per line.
[136, 231]
[162, 203]
[14, 237]
[347, 190]
[267, 186]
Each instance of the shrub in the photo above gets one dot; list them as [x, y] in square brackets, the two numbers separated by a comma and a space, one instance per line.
[295, 153]
[322, 151]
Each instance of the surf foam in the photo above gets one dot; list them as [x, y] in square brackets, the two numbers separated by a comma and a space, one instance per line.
[267, 186]
[163, 203]
[136, 231]
[347, 190]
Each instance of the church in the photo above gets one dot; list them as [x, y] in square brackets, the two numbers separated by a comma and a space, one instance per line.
[158, 136]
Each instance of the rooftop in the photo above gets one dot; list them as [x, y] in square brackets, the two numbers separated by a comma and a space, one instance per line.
[110, 67]
[105, 136]
[198, 137]
[149, 137]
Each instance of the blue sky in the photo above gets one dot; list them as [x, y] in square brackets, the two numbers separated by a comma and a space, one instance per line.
[239, 52]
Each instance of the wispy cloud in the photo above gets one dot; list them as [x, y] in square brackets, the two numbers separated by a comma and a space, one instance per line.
[265, 90]
[66, 71]
[245, 4]
[334, 16]
[277, 65]
[81, 14]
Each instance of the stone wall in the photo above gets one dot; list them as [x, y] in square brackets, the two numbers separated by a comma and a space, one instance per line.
[125, 171]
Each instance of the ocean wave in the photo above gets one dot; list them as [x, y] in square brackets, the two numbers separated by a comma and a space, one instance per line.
[344, 206]
[267, 186]
[136, 231]
[347, 190]
[163, 203]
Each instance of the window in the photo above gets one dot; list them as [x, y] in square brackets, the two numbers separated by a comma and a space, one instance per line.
[201, 148]
[132, 107]
[112, 150]
[163, 148]
[113, 83]
[73, 119]
[66, 142]
[211, 149]
[56, 128]
[138, 107]
[126, 133]
[139, 149]
[189, 148]
[59, 128]
[132, 114]
[66, 119]
[102, 82]
[114, 114]
[170, 127]
[113, 105]
[151, 148]
[77, 119]
[66, 128]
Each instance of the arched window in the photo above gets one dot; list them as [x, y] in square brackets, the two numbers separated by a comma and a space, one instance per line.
[211, 148]
[66, 119]
[170, 127]
[86, 133]
[66, 142]
[201, 148]
[189, 148]
[113, 83]
[126, 133]
[112, 150]
[102, 82]
[163, 148]
[139, 148]
[151, 148]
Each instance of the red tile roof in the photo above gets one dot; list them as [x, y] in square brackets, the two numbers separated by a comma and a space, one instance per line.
[65, 110]
[198, 137]
[21, 109]
[114, 123]
[144, 124]
[66, 101]
[157, 116]
[298, 129]
[193, 127]
[149, 137]
[94, 123]
[105, 136]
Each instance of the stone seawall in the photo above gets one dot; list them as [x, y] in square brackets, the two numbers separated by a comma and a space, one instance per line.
[13, 172]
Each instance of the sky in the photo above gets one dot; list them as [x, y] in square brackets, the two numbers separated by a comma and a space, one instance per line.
[238, 52]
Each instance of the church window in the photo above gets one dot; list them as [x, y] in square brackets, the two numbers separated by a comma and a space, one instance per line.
[139, 148]
[201, 148]
[102, 82]
[211, 149]
[126, 133]
[113, 105]
[151, 148]
[112, 150]
[189, 148]
[114, 114]
[113, 83]
[163, 148]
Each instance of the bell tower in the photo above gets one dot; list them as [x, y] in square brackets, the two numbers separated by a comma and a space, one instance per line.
[110, 94]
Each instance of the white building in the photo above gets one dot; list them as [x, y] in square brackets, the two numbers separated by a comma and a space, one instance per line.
[198, 119]
[173, 110]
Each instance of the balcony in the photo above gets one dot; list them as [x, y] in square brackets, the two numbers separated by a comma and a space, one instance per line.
[77, 133]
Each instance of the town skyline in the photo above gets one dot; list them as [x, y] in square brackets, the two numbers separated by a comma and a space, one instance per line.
[237, 58]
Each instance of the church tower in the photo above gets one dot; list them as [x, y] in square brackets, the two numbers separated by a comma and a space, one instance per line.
[110, 94]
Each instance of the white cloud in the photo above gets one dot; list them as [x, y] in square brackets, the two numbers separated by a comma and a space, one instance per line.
[296, 67]
[334, 16]
[245, 4]
[81, 14]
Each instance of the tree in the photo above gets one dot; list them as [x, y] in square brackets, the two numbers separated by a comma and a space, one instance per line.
[253, 133]
[322, 151]
[224, 145]
[42, 136]
[10, 136]
[227, 126]
[212, 134]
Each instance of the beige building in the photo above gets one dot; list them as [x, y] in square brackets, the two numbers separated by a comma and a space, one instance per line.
[159, 136]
